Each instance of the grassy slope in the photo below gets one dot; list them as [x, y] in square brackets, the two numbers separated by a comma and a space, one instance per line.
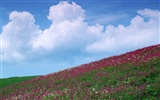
[9, 81]
[131, 76]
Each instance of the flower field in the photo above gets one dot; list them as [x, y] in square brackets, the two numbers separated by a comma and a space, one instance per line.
[131, 76]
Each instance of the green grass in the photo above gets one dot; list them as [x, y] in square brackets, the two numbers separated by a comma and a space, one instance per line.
[138, 80]
[122, 82]
[13, 80]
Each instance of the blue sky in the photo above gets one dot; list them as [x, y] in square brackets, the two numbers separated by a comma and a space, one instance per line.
[39, 37]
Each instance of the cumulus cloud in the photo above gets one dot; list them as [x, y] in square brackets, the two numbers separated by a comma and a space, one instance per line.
[69, 31]
[65, 11]
[65, 33]
[138, 33]
[17, 36]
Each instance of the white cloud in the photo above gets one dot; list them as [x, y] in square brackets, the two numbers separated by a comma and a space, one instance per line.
[17, 36]
[65, 34]
[138, 33]
[149, 13]
[65, 11]
[68, 31]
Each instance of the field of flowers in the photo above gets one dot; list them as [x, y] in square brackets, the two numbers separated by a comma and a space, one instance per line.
[131, 76]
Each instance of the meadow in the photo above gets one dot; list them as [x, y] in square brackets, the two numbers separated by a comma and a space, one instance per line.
[134, 75]
[13, 80]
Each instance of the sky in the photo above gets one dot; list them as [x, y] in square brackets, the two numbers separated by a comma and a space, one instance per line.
[40, 37]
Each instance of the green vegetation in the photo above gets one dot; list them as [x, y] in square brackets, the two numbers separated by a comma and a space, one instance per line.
[12, 80]
[131, 76]
[114, 82]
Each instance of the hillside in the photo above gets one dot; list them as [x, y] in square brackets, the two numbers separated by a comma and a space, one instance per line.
[131, 76]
